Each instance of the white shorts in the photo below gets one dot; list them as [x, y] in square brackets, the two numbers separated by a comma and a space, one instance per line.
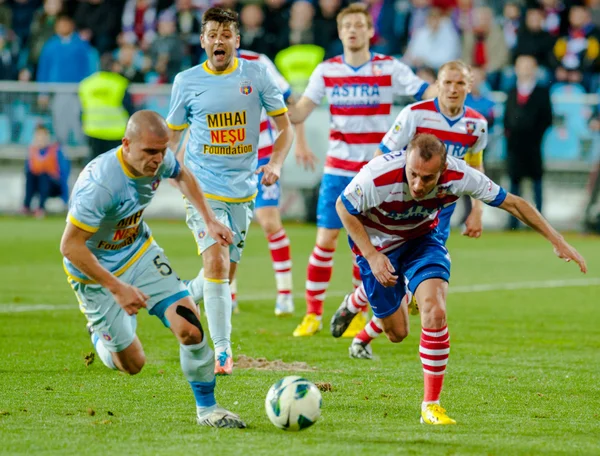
[236, 216]
[152, 274]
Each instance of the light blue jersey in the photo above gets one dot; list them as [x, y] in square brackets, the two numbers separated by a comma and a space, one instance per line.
[223, 112]
[109, 201]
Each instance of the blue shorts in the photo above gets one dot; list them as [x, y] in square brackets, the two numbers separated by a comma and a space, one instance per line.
[267, 196]
[331, 188]
[417, 260]
[443, 227]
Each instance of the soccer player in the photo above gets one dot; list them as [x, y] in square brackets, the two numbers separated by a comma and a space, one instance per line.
[390, 210]
[464, 133]
[360, 87]
[221, 102]
[116, 268]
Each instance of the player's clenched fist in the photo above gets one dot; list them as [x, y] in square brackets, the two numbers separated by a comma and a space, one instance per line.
[271, 173]
[382, 269]
[219, 232]
[130, 298]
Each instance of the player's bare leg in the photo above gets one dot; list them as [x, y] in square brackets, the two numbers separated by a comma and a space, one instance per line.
[197, 364]
[434, 348]
[269, 218]
[132, 359]
[217, 303]
[318, 275]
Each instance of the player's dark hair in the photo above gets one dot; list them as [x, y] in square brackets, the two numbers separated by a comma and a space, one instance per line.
[221, 16]
[428, 146]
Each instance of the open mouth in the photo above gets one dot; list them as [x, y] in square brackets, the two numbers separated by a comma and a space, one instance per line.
[219, 53]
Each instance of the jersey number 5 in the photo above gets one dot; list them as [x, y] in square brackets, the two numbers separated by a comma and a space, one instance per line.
[163, 268]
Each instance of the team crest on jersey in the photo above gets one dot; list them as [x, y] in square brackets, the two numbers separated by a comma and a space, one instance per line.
[201, 234]
[155, 184]
[471, 127]
[106, 337]
[246, 87]
[377, 70]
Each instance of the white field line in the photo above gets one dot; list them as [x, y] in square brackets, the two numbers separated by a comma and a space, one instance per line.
[479, 288]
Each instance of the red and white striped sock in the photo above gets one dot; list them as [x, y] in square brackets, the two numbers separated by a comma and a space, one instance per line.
[358, 300]
[279, 245]
[318, 275]
[356, 279]
[371, 331]
[434, 351]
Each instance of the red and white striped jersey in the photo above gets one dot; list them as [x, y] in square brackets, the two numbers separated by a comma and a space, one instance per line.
[267, 127]
[360, 102]
[465, 136]
[379, 194]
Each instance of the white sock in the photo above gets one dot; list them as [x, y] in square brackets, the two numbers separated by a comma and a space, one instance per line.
[217, 304]
[196, 286]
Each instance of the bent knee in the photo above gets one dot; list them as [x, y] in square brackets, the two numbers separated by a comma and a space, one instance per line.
[397, 335]
[135, 366]
[190, 335]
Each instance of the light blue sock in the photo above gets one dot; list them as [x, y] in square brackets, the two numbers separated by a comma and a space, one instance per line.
[196, 286]
[197, 364]
[217, 304]
[102, 352]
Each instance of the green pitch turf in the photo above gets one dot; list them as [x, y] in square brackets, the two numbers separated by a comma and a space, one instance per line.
[523, 375]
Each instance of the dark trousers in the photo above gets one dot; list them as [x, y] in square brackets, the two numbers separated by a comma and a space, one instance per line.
[43, 186]
[99, 146]
[515, 189]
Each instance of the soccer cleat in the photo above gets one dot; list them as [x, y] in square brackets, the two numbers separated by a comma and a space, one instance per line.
[223, 362]
[341, 319]
[360, 350]
[220, 418]
[435, 414]
[356, 325]
[413, 307]
[284, 306]
[310, 326]
[234, 306]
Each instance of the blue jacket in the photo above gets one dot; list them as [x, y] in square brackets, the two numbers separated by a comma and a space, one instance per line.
[65, 60]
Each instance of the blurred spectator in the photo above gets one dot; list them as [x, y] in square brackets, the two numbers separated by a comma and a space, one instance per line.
[533, 39]
[382, 13]
[8, 56]
[555, 16]
[300, 25]
[253, 35]
[139, 22]
[129, 63]
[527, 116]
[188, 28]
[106, 107]
[510, 24]
[5, 15]
[484, 46]
[22, 16]
[167, 50]
[427, 74]
[417, 17]
[64, 58]
[42, 29]
[98, 23]
[46, 172]
[463, 16]
[594, 6]
[277, 13]
[479, 98]
[433, 45]
[577, 53]
[325, 22]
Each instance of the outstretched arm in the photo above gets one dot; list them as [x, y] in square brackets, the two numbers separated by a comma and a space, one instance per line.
[189, 187]
[299, 111]
[272, 170]
[474, 222]
[529, 215]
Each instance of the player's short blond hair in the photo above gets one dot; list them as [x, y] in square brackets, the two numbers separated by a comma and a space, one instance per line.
[428, 146]
[355, 8]
[458, 65]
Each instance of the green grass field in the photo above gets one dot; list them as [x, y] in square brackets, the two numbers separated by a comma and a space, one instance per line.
[523, 375]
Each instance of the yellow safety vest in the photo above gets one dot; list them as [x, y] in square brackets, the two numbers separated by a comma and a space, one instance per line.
[296, 63]
[101, 95]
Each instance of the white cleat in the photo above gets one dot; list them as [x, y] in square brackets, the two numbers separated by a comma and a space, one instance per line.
[220, 418]
[284, 305]
[360, 350]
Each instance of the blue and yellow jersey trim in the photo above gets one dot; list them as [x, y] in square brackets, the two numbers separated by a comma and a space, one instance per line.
[126, 170]
[229, 70]
[277, 112]
[474, 158]
[82, 226]
[227, 199]
[119, 271]
[178, 127]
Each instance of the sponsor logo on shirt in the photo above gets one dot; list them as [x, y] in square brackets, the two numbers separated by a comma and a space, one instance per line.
[227, 129]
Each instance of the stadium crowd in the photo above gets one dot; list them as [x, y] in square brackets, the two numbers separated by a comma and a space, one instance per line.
[151, 40]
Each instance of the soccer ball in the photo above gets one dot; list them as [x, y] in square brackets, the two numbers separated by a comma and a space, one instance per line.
[293, 403]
